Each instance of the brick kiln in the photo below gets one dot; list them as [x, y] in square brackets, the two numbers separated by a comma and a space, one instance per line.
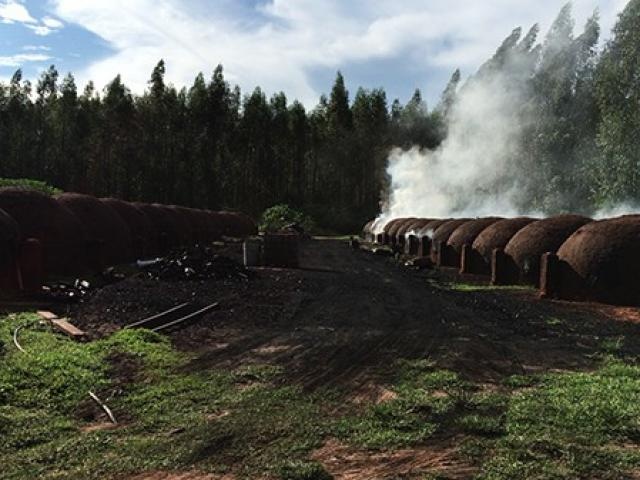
[600, 261]
[144, 236]
[425, 236]
[165, 225]
[459, 243]
[439, 251]
[412, 242]
[519, 263]
[390, 229]
[108, 236]
[497, 235]
[60, 233]
[401, 232]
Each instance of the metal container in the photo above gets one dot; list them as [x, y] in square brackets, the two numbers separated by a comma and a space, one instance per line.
[252, 251]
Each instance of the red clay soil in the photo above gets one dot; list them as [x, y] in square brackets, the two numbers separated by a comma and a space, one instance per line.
[9, 240]
[601, 261]
[527, 246]
[144, 236]
[108, 235]
[58, 229]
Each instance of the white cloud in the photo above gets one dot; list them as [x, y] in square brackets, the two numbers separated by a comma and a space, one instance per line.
[297, 37]
[21, 58]
[52, 22]
[12, 11]
[36, 48]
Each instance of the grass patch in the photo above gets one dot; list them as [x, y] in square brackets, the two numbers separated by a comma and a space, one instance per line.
[171, 418]
[573, 425]
[428, 401]
[471, 287]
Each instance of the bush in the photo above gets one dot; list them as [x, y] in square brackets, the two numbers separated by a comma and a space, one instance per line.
[29, 183]
[279, 216]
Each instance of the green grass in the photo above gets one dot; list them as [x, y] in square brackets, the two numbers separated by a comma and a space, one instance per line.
[573, 425]
[172, 418]
[471, 287]
[249, 421]
[428, 401]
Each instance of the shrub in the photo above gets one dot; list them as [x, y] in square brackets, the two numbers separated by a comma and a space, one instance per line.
[279, 216]
[29, 183]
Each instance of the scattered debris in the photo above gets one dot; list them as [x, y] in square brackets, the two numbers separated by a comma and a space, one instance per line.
[15, 340]
[63, 325]
[197, 263]
[104, 407]
[177, 315]
[66, 292]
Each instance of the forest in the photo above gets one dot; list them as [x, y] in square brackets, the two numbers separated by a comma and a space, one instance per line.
[211, 146]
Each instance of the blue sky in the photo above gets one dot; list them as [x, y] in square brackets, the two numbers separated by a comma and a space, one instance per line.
[290, 45]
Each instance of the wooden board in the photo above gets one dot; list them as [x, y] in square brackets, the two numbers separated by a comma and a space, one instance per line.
[65, 327]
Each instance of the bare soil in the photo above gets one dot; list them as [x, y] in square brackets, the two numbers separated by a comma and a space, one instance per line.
[345, 317]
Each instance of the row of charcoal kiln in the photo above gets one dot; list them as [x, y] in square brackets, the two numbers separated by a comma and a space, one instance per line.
[74, 234]
[566, 256]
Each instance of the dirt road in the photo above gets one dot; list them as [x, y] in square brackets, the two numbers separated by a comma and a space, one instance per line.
[347, 316]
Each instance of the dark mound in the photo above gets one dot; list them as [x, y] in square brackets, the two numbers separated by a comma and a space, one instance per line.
[108, 235]
[58, 229]
[601, 261]
[144, 236]
[527, 246]
[9, 240]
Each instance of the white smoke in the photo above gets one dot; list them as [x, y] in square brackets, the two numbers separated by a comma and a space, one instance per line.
[472, 173]
[617, 211]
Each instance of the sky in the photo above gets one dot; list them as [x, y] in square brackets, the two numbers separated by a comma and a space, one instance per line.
[295, 46]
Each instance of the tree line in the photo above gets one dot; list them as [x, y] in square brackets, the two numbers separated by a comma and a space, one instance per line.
[210, 146]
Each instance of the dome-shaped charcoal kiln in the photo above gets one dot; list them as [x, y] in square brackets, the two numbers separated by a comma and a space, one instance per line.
[59, 231]
[165, 224]
[601, 261]
[108, 236]
[425, 236]
[9, 241]
[460, 241]
[412, 242]
[440, 253]
[144, 236]
[522, 253]
[399, 237]
[494, 236]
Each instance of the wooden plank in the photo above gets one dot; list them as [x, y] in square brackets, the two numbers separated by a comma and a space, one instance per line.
[65, 327]
[47, 315]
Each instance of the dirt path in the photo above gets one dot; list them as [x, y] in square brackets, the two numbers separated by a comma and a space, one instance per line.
[348, 316]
